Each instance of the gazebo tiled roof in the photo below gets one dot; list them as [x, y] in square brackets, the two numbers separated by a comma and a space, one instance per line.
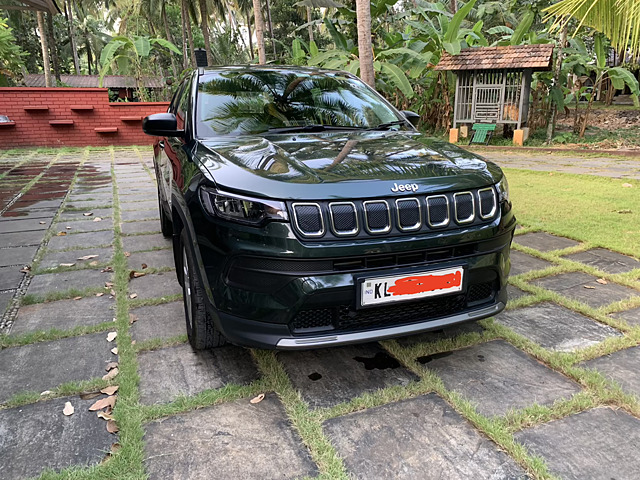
[535, 57]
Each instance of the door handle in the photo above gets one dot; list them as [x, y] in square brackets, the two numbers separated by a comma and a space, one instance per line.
[161, 143]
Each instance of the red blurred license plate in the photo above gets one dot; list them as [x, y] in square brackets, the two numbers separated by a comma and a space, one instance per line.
[397, 288]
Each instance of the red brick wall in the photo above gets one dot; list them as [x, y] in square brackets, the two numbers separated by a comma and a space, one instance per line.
[79, 112]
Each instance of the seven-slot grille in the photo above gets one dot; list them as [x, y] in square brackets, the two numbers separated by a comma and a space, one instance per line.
[396, 216]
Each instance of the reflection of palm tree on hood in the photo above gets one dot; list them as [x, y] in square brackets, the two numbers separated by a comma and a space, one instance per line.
[255, 101]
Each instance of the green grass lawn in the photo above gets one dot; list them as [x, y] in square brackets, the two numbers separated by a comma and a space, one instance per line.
[591, 209]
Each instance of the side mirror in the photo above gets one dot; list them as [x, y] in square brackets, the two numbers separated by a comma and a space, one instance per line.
[412, 117]
[162, 125]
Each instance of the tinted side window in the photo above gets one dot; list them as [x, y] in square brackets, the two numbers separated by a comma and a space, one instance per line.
[183, 105]
[174, 99]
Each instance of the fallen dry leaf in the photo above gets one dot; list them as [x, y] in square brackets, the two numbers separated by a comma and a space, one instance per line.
[132, 319]
[107, 269]
[112, 336]
[87, 214]
[67, 264]
[112, 292]
[68, 227]
[127, 254]
[111, 374]
[42, 223]
[105, 402]
[257, 399]
[115, 447]
[111, 366]
[108, 284]
[625, 210]
[25, 269]
[68, 409]
[133, 342]
[87, 257]
[144, 265]
[602, 281]
[97, 219]
[46, 392]
[61, 234]
[133, 295]
[104, 416]
[589, 287]
[114, 350]
[112, 427]
[93, 264]
[134, 274]
[110, 390]
[99, 294]
[627, 185]
[77, 298]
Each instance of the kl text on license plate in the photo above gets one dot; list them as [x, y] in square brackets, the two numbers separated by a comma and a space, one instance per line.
[410, 287]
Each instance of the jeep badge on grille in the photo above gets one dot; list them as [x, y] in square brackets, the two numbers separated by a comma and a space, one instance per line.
[407, 187]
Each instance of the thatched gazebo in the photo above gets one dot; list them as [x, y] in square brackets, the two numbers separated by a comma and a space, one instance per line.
[493, 83]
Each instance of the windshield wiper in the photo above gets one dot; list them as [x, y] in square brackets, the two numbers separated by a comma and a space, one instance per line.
[386, 126]
[310, 128]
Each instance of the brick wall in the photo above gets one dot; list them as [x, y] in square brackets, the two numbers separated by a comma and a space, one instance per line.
[50, 117]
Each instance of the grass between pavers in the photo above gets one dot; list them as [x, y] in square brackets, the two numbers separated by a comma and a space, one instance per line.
[52, 334]
[24, 160]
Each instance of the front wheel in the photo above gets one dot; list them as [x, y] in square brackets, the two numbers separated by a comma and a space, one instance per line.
[200, 329]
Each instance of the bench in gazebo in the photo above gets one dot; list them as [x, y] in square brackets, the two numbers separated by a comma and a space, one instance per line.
[493, 84]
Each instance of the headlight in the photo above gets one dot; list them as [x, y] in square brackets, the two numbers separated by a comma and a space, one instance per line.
[503, 190]
[251, 211]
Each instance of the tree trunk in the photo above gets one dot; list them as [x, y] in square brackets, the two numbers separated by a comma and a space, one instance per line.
[167, 32]
[250, 36]
[453, 6]
[53, 48]
[204, 26]
[72, 38]
[183, 18]
[45, 50]
[187, 18]
[257, 15]
[365, 49]
[551, 118]
[87, 45]
[585, 119]
[273, 41]
[310, 27]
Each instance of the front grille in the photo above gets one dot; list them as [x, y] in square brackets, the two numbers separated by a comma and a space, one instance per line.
[344, 218]
[309, 219]
[438, 211]
[488, 204]
[377, 218]
[327, 220]
[463, 206]
[409, 214]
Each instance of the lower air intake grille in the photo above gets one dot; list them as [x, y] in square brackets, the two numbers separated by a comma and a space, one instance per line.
[481, 292]
[308, 218]
[377, 217]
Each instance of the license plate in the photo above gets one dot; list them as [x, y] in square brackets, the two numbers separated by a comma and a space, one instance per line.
[398, 288]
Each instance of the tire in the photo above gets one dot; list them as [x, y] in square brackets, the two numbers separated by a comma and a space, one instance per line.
[166, 226]
[200, 329]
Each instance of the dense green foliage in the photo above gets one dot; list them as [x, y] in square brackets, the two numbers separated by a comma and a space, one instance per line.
[151, 37]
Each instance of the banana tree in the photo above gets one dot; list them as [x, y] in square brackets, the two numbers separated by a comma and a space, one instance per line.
[126, 56]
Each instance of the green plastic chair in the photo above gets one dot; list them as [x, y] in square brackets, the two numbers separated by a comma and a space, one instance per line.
[482, 133]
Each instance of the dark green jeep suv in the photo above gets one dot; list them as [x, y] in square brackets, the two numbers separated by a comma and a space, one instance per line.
[306, 211]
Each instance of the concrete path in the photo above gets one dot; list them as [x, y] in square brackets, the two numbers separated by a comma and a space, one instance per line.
[588, 163]
[548, 388]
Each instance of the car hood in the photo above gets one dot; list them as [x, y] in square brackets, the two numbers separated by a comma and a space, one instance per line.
[342, 164]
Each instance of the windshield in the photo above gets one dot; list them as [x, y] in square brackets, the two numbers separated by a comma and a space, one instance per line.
[252, 102]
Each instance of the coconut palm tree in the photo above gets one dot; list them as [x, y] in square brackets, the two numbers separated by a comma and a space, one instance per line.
[618, 20]
[259, 21]
[365, 47]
